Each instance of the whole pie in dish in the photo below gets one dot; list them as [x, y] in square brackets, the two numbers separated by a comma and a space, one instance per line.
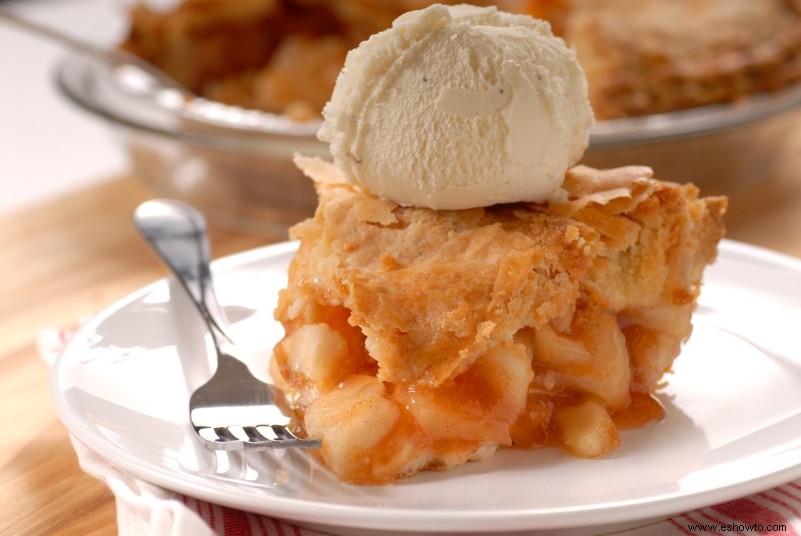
[640, 56]
[419, 339]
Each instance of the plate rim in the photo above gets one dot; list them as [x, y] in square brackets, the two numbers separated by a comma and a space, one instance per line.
[436, 519]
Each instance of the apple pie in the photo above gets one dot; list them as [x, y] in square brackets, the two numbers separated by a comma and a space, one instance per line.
[420, 339]
[641, 56]
[651, 56]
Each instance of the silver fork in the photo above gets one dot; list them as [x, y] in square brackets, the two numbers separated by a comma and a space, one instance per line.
[233, 410]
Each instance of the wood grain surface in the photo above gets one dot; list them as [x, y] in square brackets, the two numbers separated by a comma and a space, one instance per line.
[59, 262]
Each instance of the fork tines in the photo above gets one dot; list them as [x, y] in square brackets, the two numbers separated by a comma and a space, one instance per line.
[263, 436]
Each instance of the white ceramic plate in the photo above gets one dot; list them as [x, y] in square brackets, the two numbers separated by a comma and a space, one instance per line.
[733, 423]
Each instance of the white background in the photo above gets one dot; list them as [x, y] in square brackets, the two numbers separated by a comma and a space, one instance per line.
[47, 146]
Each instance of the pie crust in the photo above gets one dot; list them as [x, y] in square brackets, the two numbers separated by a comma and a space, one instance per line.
[652, 56]
[420, 339]
[641, 56]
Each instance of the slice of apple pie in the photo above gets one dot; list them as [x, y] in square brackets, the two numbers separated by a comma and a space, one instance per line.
[420, 339]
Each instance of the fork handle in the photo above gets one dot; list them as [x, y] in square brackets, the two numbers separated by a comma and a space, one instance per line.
[179, 235]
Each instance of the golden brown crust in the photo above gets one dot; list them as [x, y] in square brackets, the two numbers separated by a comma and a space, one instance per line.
[651, 56]
[526, 324]
[640, 56]
[432, 291]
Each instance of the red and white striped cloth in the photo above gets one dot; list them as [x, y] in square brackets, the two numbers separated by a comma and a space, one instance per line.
[147, 510]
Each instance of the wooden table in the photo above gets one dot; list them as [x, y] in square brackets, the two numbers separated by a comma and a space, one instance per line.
[75, 256]
[58, 262]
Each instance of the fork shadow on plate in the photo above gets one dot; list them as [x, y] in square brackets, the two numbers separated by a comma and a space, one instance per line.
[168, 446]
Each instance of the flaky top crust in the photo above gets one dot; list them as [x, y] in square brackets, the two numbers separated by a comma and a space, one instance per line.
[651, 56]
[433, 290]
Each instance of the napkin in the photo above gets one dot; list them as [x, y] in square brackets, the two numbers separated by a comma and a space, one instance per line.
[144, 509]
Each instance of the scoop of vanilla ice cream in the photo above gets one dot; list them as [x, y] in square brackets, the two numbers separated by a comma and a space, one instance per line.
[458, 107]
